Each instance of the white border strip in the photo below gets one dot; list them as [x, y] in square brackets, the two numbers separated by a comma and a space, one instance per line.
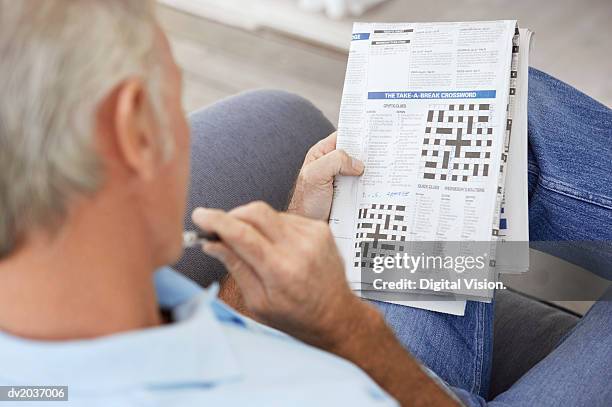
[280, 15]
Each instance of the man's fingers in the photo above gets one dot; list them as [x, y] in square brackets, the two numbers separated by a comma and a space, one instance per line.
[325, 146]
[246, 278]
[337, 162]
[246, 241]
[262, 216]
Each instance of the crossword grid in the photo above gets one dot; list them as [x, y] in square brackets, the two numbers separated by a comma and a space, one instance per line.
[458, 142]
[378, 226]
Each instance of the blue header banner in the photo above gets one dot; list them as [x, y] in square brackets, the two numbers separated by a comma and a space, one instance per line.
[361, 36]
[457, 94]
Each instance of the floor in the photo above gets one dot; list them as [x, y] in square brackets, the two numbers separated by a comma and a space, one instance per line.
[218, 60]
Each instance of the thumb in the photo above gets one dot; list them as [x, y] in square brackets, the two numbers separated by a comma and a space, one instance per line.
[337, 162]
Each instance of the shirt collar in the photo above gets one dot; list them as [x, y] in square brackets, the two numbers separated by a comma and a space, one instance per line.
[193, 350]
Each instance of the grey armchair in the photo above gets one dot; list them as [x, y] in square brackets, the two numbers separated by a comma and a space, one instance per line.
[251, 147]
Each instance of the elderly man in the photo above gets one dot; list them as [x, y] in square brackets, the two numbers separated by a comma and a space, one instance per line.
[94, 167]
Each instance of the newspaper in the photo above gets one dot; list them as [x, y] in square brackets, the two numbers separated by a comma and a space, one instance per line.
[514, 217]
[429, 108]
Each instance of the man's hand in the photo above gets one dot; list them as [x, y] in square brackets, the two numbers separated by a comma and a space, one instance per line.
[312, 196]
[292, 278]
[288, 269]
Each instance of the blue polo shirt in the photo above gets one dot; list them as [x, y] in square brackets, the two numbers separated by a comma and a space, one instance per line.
[209, 356]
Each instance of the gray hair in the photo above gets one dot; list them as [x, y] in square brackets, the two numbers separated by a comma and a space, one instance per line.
[58, 60]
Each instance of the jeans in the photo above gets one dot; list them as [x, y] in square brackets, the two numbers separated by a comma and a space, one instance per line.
[570, 199]
[252, 146]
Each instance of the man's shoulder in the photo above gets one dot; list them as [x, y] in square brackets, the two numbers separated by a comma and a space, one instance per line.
[210, 355]
[242, 362]
[275, 366]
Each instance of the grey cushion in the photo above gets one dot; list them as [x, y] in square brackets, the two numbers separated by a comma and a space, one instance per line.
[246, 148]
[525, 331]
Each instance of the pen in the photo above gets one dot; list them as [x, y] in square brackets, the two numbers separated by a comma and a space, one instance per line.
[194, 238]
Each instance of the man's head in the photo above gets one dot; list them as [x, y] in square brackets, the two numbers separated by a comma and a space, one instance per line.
[90, 119]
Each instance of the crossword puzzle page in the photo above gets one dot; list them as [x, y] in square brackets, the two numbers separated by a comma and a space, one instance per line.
[428, 108]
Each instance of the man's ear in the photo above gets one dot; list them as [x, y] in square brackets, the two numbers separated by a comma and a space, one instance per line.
[135, 129]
